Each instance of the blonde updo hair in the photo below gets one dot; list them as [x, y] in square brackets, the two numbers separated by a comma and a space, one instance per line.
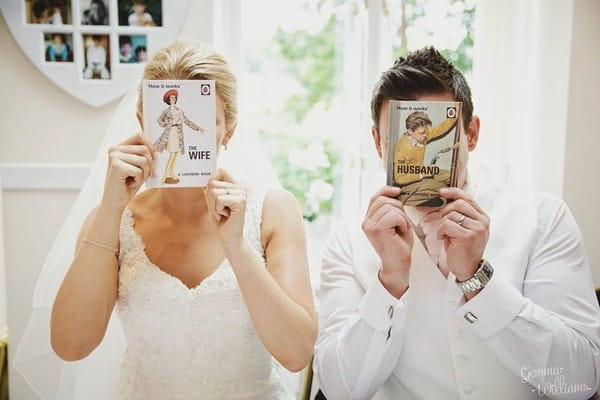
[183, 60]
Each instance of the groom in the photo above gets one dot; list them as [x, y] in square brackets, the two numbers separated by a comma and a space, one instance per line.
[492, 300]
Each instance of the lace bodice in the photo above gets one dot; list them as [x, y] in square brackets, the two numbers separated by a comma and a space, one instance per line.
[194, 343]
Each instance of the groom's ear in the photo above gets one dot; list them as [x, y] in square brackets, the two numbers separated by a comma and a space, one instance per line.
[377, 141]
[473, 132]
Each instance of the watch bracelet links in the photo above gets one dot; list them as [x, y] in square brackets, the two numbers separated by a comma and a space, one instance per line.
[479, 279]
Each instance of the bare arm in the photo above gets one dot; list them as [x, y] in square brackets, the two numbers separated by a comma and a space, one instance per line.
[279, 298]
[87, 295]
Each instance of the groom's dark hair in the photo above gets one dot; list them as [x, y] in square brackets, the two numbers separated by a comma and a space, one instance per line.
[423, 72]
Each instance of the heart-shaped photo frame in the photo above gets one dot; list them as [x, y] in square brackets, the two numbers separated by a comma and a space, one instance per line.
[93, 49]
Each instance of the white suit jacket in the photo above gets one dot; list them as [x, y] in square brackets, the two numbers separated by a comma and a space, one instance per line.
[535, 330]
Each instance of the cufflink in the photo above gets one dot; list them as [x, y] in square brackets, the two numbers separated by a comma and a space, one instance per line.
[470, 317]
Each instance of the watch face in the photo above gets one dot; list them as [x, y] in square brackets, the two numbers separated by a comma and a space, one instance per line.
[487, 269]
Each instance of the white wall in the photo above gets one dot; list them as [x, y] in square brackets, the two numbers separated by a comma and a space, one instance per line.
[45, 125]
[582, 160]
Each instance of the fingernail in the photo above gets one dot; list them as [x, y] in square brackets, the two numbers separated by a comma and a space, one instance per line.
[155, 154]
[443, 190]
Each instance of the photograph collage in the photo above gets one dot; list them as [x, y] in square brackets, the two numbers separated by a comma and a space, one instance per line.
[102, 36]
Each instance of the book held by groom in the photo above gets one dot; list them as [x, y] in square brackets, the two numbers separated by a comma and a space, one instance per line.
[422, 149]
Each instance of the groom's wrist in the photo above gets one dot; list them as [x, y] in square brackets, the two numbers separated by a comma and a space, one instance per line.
[395, 282]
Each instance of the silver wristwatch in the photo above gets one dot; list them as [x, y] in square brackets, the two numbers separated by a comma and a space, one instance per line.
[478, 281]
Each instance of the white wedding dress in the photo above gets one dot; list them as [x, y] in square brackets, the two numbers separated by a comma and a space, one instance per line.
[196, 343]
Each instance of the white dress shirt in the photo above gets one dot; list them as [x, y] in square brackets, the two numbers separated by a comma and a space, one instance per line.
[533, 331]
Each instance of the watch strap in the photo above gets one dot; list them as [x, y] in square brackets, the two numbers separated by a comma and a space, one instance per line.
[479, 280]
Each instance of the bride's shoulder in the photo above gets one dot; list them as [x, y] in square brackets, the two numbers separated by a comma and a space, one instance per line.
[279, 201]
[281, 213]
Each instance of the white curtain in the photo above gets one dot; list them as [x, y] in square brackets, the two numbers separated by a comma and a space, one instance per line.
[520, 82]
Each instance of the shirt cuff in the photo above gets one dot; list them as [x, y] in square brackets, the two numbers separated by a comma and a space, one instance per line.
[493, 308]
[380, 309]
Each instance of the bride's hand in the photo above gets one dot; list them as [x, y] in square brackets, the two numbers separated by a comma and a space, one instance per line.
[129, 165]
[226, 202]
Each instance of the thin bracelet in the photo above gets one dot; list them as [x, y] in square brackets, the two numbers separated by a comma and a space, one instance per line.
[114, 250]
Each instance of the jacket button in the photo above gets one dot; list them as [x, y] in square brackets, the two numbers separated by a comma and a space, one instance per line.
[468, 389]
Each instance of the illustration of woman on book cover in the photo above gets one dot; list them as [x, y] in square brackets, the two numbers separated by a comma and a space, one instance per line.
[172, 119]
[410, 171]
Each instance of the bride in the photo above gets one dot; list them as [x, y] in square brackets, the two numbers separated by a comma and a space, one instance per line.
[210, 284]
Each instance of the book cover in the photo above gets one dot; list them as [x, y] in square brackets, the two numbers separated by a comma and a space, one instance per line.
[422, 149]
[180, 120]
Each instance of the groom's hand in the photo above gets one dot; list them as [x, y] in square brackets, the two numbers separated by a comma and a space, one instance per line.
[388, 229]
[465, 229]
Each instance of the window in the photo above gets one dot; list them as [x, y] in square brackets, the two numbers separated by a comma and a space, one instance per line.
[306, 74]
[445, 24]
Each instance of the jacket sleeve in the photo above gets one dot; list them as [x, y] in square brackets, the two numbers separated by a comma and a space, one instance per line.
[548, 334]
[441, 130]
[163, 120]
[190, 123]
[359, 342]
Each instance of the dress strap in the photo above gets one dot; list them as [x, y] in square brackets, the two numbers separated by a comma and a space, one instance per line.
[253, 219]
[129, 243]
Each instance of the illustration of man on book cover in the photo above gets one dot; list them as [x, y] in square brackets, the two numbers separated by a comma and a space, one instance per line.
[423, 156]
